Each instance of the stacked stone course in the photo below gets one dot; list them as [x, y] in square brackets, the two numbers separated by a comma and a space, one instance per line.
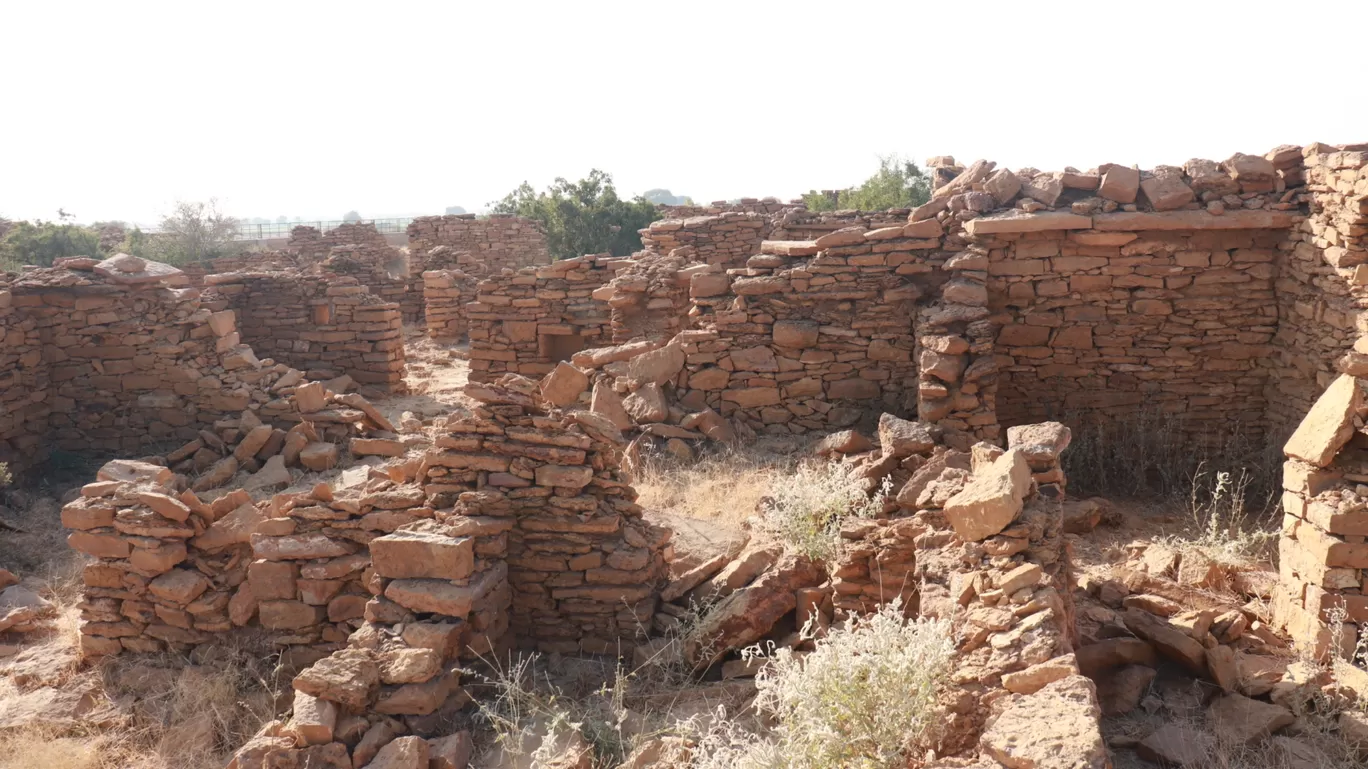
[525, 322]
[445, 295]
[91, 363]
[323, 323]
[726, 239]
[481, 247]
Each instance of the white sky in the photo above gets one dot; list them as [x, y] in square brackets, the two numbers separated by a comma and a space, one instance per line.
[116, 110]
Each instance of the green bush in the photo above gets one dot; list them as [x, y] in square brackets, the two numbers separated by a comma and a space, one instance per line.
[897, 184]
[41, 243]
[583, 217]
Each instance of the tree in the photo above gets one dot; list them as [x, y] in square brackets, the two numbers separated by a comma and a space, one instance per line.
[351, 216]
[898, 183]
[583, 217]
[40, 242]
[452, 210]
[194, 232]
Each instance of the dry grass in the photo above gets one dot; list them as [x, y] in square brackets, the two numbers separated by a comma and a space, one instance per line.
[157, 712]
[725, 487]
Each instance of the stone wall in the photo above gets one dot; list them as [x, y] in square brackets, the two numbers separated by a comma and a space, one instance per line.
[321, 322]
[1098, 324]
[358, 249]
[102, 362]
[525, 322]
[809, 336]
[1322, 558]
[726, 239]
[766, 206]
[1322, 284]
[481, 247]
[445, 295]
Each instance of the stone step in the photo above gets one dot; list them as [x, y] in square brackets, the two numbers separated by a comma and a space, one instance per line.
[789, 247]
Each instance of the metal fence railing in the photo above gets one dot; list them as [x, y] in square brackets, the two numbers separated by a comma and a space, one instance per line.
[272, 230]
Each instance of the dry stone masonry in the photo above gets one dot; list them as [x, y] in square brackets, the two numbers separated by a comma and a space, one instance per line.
[526, 322]
[113, 358]
[320, 322]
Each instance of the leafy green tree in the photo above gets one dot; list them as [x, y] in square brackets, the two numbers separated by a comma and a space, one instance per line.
[583, 217]
[351, 216]
[898, 183]
[40, 242]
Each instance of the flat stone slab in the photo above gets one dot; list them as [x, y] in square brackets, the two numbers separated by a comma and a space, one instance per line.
[130, 270]
[1020, 222]
[1193, 220]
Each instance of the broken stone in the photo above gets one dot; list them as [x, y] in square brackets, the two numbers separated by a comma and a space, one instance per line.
[1056, 726]
[991, 499]
[1242, 721]
[1328, 425]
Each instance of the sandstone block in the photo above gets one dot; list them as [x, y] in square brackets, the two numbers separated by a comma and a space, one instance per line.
[1056, 726]
[420, 554]
[319, 456]
[312, 720]
[563, 385]
[992, 498]
[1328, 425]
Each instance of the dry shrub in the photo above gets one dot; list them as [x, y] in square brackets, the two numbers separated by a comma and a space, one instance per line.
[804, 508]
[1149, 453]
[864, 697]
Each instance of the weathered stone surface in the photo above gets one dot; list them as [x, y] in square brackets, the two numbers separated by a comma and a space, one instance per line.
[1329, 424]
[421, 554]
[844, 442]
[451, 752]
[681, 585]
[1054, 728]
[902, 438]
[1241, 720]
[563, 385]
[991, 499]
[747, 614]
[1168, 640]
[402, 753]
[319, 456]
[1174, 745]
[298, 547]
[235, 528]
[409, 666]
[1036, 677]
[647, 405]
[313, 720]
[348, 677]
[1119, 690]
[606, 402]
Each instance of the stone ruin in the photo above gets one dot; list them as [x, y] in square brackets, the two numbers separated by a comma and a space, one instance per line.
[1221, 292]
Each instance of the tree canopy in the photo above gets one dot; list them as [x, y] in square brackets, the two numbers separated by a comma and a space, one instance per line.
[583, 217]
[40, 242]
[898, 183]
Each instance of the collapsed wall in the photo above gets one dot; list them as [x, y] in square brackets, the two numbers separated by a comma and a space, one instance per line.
[111, 358]
[322, 322]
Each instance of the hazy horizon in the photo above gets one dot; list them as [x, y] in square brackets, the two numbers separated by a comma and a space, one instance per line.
[279, 109]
